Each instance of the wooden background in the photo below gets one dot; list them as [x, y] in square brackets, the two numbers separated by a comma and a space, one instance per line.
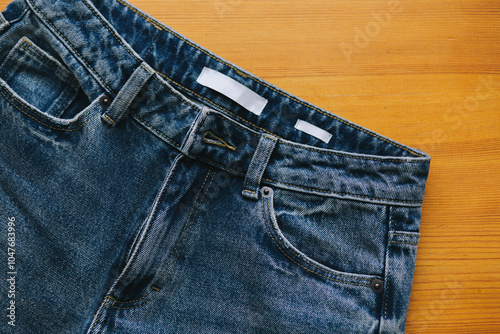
[425, 73]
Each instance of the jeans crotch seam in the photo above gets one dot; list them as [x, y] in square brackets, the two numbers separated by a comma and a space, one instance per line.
[189, 222]
[201, 195]
[135, 248]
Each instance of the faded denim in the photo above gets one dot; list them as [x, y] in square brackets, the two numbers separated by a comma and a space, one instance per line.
[143, 202]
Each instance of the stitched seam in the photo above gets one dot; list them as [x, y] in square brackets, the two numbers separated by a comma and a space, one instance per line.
[188, 232]
[106, 303]
[179, 96]
[391, 213]
[270, 87]
[151, 47]
[311, 189]
[259, 167]
[137, 234]
[130, 98]
[68, 99]
[35, 53]
[387, 290]
[317, 150]
[269, 132]
[110, 119]
[272, 138]
[3, 19]
[252, 166]
[144, 67]
[22, 103]
[403, 242]
[135, 300]
[105, 319]
[153, 217]
[306, 188]
[51, 127]
[181, 247]
[219, 165]
[156, 25]
[306, 260]
[72, 47]
[337, 193]
[110, 30]
[409, 234]
[348, 155]
[132, 307]
[3, 69]
[154, 129]
[39, 57]
[249, 191]
[113, 300]
[190, 222]
[216, 105]
[312, 271]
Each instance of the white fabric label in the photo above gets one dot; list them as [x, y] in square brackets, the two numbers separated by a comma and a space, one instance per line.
[313, 130]
[231, 88]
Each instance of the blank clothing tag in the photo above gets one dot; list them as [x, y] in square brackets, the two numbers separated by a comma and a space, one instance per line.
[313, 130]
[231, 88]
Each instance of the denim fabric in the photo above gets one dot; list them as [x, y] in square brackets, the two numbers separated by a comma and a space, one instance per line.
[135, 200]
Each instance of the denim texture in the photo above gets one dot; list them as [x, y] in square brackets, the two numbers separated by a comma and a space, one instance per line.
[136, 200]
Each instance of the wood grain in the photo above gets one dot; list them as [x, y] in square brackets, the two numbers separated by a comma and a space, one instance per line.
[425, 73]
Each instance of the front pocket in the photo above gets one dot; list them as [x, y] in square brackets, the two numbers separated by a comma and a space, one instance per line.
[38, 78]
[338, 240]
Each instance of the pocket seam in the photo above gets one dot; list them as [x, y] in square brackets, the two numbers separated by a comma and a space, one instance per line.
[26, 53]
[326, 271]
[70, 45]
[38, 53]
[39, 113]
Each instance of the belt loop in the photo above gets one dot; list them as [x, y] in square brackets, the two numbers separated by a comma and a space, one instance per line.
[258, 165]
[125, 97]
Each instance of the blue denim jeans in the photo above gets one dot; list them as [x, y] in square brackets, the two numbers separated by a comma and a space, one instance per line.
[139, 196]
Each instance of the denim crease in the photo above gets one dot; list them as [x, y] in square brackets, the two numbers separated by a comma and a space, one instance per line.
[137, 198]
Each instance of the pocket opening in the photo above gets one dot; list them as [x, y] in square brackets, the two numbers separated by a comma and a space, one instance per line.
[41, 87]
[299, 258]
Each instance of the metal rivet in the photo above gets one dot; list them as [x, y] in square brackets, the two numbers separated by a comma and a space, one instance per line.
[267, 192]
[377, 285]
[105, 101]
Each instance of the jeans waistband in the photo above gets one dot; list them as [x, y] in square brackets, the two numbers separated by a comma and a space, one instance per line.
[112, 41]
